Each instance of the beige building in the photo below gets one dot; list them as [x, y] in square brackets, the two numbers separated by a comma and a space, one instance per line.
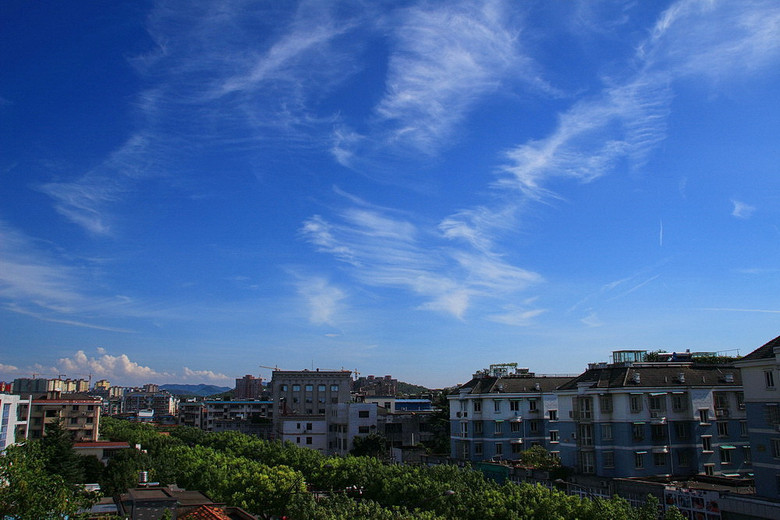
[77, 414]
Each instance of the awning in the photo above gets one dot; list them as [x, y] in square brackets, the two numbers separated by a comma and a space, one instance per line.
[516, 441]
[655, 394]
[640, 452]
[664, 449]
[727, 447]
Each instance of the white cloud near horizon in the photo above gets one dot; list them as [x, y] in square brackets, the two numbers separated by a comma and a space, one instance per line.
[208, 375]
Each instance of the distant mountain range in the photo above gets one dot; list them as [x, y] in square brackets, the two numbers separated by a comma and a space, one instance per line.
[199, 390]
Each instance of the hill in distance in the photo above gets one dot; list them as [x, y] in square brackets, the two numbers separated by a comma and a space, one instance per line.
[198, 390]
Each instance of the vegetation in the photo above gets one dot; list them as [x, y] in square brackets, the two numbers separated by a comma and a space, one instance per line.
[40, 479]
[274, 479]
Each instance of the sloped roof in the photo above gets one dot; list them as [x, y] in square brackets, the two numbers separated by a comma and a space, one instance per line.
[657, 375]
[513, 385]
[765, 351]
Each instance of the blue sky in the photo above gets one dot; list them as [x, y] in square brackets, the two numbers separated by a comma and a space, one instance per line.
[191, 189]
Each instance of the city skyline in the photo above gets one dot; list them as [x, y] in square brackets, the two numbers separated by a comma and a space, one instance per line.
[189, 192]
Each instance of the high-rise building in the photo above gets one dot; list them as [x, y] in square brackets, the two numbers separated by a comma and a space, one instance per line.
[249, 387]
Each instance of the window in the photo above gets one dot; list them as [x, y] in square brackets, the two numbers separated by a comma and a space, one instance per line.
[90, 420]
[772, 412]
[478, 427]
[683, 458]
[464, 429]
[586, 435]
[638, 431]
[776, 448]
[75, 408]
[740, 400]
[606, 432]
[585, 407]
[517, 448]
[308, 426]
[309, 388]
[609, 459]
[497, 427]
[362, 429]
[704, 416]
[320, 388]
[725, 456]
[308, 400]
[516, 427]
[605, 403]
[635, 403]
[363, 414]
[477, 448]
[658, 432]
[514, 406]
[769, 378]
[553, 415]
[334, 388]
[477, 406]
[706, 443]
[659, 459]
[679, 402]
[743, 431]
[532, 405]
[721, 399]
[283, 388]
[296, 388]
[682, 430]
[587, 461]
[533, 426]
[656, 403]
[499, 448]
[321, 399]
[709, 469]
[496, 405]
[747, 456]
[553, 435]
[74, 420]
[51, 413]
[723, 428]
[639, 459]
[308, 440]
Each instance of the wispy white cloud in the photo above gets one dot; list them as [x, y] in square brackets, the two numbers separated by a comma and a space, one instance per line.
[726, 309]
[517, 317]
[592, 320]
[383, 250]
[742, 210]
[322, 298]
[8, 368]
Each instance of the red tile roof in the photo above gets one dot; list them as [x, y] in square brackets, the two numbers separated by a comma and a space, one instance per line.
[206, 513]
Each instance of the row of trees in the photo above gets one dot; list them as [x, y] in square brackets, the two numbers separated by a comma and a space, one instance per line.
[275, 479]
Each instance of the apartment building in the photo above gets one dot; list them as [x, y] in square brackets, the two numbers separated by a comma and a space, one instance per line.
[249, 387]
[633, 418]
[11, 420]
[247, 416]
[78, 414]
[149, 398]
[502, 411]
[761, 379]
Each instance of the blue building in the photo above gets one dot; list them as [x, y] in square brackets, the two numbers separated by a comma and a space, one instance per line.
[501, 412]
[633, 418]
[761, 376]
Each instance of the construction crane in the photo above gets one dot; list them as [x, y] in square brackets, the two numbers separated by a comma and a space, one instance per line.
[270, 368]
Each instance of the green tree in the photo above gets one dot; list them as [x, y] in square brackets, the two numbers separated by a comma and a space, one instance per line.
[372, 445]
[32, 492]
[59, 455]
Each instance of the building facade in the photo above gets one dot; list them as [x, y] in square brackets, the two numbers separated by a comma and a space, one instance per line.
[79, 415]
[249, 387]
[761, 377]
[639, 419]
[502, 411]
[12, 419]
